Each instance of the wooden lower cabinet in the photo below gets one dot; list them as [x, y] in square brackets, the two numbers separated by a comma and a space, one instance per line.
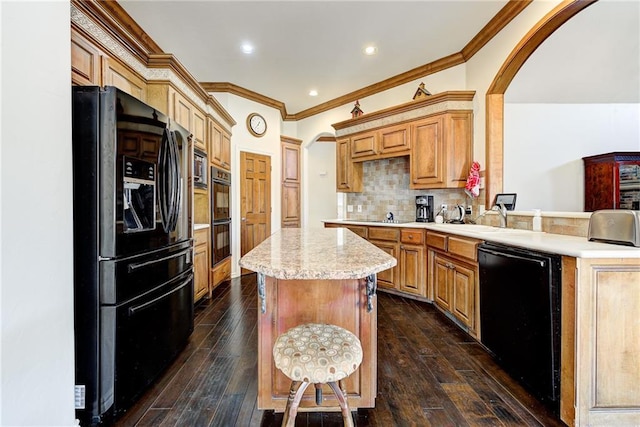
[201, 263]
[220, 272]
[454, 287]
[289, 303]
[388, 279]
[413, 262]
[453, 273]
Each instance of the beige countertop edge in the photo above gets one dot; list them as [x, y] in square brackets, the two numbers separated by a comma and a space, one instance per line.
[316, 254]
[309, 274]
[574, 246]
[200, 226]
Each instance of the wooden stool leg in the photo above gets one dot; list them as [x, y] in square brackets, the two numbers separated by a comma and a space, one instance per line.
[341, 395]
[295, 396]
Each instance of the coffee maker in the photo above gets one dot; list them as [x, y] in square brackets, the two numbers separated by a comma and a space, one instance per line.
[424, 208]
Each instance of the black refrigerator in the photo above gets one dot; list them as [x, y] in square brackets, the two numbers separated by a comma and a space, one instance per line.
[133, 271]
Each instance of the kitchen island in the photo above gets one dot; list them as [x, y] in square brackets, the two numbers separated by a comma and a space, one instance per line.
[323, 276]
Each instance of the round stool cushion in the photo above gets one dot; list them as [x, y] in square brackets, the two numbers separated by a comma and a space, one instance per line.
[317, 353]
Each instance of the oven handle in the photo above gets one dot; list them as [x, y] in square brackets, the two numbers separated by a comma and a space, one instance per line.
[135, 309]
[135, 266]
[507, 255]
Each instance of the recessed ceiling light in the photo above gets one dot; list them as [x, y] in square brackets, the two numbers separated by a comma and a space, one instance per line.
[313, 92]
[247, 48]
[370, 50]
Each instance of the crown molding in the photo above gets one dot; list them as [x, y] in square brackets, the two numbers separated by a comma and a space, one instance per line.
[512, 9]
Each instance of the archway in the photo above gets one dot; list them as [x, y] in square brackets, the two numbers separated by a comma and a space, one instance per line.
[494, 133]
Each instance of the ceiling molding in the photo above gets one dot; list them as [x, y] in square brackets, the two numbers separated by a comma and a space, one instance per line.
[497, 23]
[493, 27]
[245, 93]
[112, 18]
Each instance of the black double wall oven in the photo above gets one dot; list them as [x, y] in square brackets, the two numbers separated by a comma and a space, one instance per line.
[220, 215]
[133, 272]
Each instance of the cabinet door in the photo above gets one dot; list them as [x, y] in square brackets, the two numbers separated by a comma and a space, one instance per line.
[364, 145]
[180, 109]
[395, 139]
[291, 204]
[116, 74]
[348, 174]
[427, 153]
[388, 278]
[412, 267]
[219, 146]
[290, 162]
[463, 290]
[201, 271]
[85, 61]
[458, 150]
[225, 156]
[199, 129]
[441, 271]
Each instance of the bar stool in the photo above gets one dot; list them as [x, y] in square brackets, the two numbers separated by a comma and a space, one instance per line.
[317, 354]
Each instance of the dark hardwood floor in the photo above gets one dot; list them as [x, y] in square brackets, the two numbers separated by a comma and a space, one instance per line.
[430, 373]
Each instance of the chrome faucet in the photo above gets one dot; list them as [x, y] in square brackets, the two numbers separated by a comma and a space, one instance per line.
[502, 210]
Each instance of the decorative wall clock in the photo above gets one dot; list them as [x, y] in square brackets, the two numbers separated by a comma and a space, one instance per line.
[256, 124]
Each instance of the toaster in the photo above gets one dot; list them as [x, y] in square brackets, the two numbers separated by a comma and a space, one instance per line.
[617, 226]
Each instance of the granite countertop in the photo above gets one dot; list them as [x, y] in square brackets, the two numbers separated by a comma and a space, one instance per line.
[560, 244]
[316, 253]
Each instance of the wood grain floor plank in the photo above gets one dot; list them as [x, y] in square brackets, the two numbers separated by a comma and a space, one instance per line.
[430, 373]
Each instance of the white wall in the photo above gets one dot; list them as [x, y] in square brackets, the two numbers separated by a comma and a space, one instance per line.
[320, 178]
[546, 143]
[268, 145]
[36, 258]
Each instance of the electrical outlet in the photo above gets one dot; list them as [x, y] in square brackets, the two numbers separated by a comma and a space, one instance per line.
[359, 208]
[469, 210]
[443, 207]
[349, 208]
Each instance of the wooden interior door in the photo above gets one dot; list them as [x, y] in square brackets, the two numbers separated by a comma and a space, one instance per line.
[255, 200]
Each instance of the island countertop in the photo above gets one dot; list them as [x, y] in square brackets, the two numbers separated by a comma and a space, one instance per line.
[316, 253]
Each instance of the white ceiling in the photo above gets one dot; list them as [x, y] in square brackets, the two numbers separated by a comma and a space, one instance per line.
[304, 45]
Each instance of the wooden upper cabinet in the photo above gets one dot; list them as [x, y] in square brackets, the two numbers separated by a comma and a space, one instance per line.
[120, 76]
[348, 173]
[395, 140]
[441, 151]
[391, 141]
[219, 146]
[180, 109]
[85, 61]
[364, 146]
[427, 168]
[439, 144]
[199, 129]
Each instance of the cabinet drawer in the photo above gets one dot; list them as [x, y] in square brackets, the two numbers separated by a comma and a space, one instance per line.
[384, 233]
[222, 271]
[463, 247]
[360, 231]
[201, 236]
[437, 240]
[411, 236]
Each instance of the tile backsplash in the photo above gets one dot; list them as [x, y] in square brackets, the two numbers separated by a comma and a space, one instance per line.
[386, 189]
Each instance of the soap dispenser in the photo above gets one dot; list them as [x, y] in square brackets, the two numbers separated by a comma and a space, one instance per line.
[537, 220]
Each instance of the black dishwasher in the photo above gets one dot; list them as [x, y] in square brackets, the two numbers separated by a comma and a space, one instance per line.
[520, 316]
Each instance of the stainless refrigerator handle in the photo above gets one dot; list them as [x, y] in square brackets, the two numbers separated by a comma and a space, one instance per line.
[137, 265]
[133, 310]
[541, 263]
